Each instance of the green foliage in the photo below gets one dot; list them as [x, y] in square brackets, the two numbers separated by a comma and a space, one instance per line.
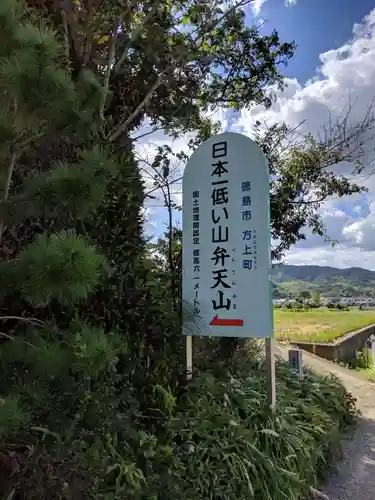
[234, 447]
[296, 306]
[93, 397]
[364, 360]
[338, 306]
[78, 188]
[316, 300]
[305, 294]
[12, 416]
[62, 267]
[59, 389]
[218, 438]
[302, 177]
[221, 61]
[225, 442]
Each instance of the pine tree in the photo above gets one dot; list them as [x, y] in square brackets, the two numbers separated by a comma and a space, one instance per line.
[57, 395]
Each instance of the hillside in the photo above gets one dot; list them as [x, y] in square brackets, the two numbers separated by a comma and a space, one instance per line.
[328, 281]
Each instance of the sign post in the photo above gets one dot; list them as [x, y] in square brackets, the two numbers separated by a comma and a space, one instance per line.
[226, 256]
[189, 357]
[295, 362]
[271, 371]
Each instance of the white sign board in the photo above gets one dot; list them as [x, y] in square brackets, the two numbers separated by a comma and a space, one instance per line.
[226, 240]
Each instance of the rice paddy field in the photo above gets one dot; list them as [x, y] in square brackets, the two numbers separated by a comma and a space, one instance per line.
[321, 324]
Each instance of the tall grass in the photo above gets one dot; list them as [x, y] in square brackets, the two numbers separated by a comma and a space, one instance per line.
[227, 444]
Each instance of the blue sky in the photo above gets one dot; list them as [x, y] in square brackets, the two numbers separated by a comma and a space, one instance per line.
[316, 26]
[335, 58]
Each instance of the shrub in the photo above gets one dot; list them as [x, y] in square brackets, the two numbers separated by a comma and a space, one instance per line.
[364, 359]
[339, 307]
[297, 307]
[226, 444]
[218, 440]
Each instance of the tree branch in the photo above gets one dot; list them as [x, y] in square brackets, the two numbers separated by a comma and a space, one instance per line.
[135, 33]
[74, 46]
[120, 129]
[111, 57]
[33, 321]
[9, 337]
[87, 45]
[155, 129]
[10, 171]
[210, 25]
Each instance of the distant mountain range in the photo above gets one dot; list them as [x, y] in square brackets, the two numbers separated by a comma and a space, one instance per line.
[290, 281]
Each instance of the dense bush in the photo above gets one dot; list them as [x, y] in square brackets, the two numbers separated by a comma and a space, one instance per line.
[296, 307]
[230, 446]
[339, 306]
[218, 440]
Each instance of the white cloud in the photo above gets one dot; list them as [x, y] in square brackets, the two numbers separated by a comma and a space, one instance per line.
[256, 6]
[361, 232]
[348, 71]
[338, 256]
[345, 71]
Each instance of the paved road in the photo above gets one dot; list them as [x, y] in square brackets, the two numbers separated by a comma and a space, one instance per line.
[355, 476]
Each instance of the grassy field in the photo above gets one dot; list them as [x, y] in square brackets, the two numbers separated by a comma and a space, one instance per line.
[319, 325]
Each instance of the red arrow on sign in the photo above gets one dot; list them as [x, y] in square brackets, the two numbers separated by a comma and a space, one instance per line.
[216, 321]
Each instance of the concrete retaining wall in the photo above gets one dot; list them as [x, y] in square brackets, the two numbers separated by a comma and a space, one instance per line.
[342, 349]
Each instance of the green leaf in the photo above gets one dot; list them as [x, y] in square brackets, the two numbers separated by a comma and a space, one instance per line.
[11, 495]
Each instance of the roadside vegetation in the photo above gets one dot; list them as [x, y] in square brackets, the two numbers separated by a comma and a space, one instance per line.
[363, 363]
[94, 399]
